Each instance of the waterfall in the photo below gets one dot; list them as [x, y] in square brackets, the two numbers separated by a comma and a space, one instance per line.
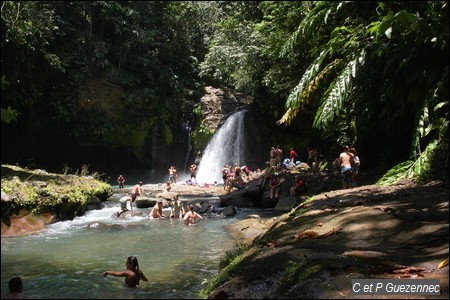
[226, 147]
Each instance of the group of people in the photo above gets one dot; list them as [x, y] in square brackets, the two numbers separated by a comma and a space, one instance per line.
[177, 210]
[235, 177]
[276, 167]
[173, 175]
[127, 201]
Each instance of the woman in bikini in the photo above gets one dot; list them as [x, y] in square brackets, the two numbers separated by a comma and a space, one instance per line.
[191, 216]
[177, 209]
[132, 275]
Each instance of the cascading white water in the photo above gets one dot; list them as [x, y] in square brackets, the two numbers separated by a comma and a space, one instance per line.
[226, 147]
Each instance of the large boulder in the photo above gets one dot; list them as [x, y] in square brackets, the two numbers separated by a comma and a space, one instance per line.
[130, 213]
[145, 202]
[285, 203]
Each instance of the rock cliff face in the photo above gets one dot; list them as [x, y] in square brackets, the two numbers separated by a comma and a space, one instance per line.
[218, 104]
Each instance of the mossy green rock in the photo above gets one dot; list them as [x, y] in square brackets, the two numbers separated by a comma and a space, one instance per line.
[38, 192]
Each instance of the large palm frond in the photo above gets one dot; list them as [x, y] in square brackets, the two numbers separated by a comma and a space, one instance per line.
[294, 101]
[308, 26]
[335, 96]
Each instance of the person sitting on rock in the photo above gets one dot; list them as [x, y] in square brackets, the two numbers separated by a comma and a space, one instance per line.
[274, 185]
[299, 188]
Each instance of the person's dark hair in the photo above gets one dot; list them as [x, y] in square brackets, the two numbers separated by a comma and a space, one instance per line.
[133, 261]
[15, 284]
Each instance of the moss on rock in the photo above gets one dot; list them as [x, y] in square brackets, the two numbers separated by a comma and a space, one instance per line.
[38, 192]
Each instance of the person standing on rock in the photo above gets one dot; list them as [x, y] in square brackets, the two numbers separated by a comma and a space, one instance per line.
[193, 170]
[171, 175]
[292, 155]
[225, 176]
[175, 174]
[274, 185]
[278, 154]
[120, 181]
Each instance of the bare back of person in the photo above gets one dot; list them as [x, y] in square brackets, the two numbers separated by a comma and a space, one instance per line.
[345, 159]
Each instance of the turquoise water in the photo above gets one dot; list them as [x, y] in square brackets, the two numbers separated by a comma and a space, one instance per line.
[67, 260]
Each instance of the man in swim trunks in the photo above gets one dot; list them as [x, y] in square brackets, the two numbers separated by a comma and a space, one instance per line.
[193, 170]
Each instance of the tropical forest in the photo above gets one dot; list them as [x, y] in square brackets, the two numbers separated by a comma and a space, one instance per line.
[94, 89]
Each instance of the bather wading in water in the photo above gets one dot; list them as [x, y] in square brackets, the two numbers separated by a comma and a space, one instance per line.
[132, 275]
[191, 217]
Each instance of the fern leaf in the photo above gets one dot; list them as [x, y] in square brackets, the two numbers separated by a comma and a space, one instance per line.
[334, 97]
[309, 25]
[294, 100]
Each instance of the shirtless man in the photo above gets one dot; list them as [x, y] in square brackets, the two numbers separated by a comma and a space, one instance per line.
[171, 175]
[193, 170]
[137, 190]
[345, 159]
[120, 181]
[278, 154]
[156, 212]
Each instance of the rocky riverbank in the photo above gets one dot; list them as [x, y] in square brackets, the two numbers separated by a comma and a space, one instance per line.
[32, 199]
[316, 249]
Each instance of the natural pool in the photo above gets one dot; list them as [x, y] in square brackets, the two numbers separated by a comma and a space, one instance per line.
[67, 260]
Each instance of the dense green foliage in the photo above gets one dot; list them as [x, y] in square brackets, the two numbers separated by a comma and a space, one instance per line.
[323, 73]
[103, 72]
